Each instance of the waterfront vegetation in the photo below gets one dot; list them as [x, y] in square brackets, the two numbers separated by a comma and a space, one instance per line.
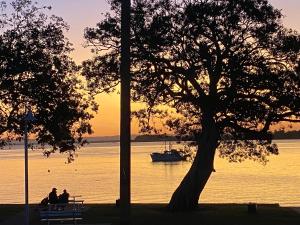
[156, 214]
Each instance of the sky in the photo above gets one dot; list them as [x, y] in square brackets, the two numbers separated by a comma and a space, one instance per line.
[80, 14]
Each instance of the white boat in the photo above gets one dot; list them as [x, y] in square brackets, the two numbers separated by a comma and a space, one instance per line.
[171, 155]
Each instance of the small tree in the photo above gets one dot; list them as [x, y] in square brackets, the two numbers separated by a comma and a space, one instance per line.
[228, 67]
[37, 72]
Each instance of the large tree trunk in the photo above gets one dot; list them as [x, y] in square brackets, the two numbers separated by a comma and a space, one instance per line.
[188, 192]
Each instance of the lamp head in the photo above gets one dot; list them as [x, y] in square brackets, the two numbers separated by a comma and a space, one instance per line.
[29, 117]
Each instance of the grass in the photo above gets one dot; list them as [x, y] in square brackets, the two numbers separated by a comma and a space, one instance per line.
[156, 214]
[9, 210]
[209, 214]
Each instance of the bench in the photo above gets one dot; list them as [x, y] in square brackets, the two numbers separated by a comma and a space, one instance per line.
[62, 212]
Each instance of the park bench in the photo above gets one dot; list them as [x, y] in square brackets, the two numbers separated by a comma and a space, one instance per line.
[62, 212]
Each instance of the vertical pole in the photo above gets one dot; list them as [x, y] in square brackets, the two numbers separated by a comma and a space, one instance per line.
[125, 115]
[26, 172]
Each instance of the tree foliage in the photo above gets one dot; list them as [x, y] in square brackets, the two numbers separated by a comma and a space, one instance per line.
[231, 58]
[38, 73]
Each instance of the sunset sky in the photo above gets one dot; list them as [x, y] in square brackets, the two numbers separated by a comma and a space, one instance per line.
[86, 13]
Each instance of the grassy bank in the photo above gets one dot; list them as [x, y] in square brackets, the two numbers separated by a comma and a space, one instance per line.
[9, 210]
[156, 214]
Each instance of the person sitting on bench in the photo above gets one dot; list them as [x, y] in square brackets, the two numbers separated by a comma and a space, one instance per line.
[64, 197]
[53, 199]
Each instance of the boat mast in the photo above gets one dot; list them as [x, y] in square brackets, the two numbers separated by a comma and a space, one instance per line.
[165, 142]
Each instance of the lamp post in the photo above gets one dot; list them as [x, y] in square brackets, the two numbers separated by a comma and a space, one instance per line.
[125, 115]
[28, 118]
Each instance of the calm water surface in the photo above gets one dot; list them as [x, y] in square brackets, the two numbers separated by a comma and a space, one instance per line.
[95, 176]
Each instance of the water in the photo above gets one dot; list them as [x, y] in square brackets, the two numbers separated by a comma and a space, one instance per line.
[95, 176]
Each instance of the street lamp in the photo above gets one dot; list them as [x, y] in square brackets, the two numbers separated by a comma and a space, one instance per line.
[27, 119]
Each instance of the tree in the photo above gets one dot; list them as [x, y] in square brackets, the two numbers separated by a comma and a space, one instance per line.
[229, 69]
[37, 73]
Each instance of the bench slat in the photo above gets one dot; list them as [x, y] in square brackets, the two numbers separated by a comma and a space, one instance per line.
[61, 219]
[69, 212]
[61, 215]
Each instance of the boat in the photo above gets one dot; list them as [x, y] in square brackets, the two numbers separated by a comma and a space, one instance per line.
[170, 155]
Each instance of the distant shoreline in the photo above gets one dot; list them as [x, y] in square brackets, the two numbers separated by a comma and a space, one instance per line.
[134, 141]
[292, 135]
[279, 135]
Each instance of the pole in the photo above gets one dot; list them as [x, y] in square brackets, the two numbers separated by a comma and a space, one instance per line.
[26, 172]
[28, 118]
[125, 115]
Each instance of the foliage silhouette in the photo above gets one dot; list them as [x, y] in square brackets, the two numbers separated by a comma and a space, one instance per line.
[37, 73]
[228, 68]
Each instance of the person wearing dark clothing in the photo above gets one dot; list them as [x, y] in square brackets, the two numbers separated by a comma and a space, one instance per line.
[53, 199]
[44, 202]
[64, 197]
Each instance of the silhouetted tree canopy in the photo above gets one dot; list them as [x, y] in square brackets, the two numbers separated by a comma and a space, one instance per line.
[233, 57]
[37, 73]
[228, 68]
